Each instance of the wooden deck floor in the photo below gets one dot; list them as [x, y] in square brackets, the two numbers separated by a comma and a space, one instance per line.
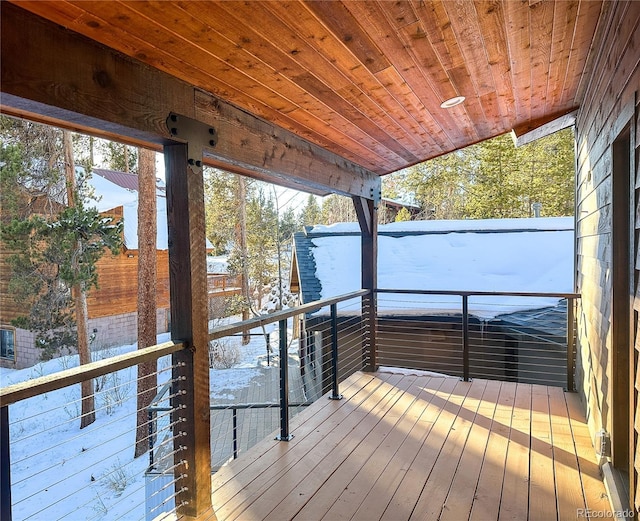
[405, 447]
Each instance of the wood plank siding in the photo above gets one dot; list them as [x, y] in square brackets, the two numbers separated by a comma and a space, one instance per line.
[607, 237]
[117, 290]
[408, 447]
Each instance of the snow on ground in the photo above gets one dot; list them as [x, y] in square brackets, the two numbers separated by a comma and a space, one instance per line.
[61, 472]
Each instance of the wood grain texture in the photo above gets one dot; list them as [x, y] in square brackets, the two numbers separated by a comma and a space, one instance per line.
[611, 88]
[419, 447]
[362, 79]
[135, 101]
[189, 323]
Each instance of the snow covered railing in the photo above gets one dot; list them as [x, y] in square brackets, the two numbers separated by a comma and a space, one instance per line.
[38, 386]
[513, 336]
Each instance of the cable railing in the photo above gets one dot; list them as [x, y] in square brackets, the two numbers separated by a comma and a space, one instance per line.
[263, 372]
[61, 470]
[512, 336]
[53, 469]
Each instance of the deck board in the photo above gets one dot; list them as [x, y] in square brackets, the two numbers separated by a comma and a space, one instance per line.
[461, 494]
[515, 487]
[402, 446]
[541, 480]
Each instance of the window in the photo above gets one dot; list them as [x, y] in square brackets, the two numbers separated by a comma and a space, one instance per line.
[7, 341]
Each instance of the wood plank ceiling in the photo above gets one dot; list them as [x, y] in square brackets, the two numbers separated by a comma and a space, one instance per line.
[364, 79]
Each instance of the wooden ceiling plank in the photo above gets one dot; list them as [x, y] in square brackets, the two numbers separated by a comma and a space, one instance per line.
[363, 112]
[402, 13]
[403, 126]
[474, 78]
[396, 76]
[561, 37]
[491, 105]
[190, 40]
[312, 42]
[435, 21]
[585, 29]
[406, 115]
[471, 110]
[59, 73]
[519, 45]
[416, 42]
[541, 16]
[492, 23]
[435, 140]
[465, 25]
[344, 26]
[130, 45]
[382, 32]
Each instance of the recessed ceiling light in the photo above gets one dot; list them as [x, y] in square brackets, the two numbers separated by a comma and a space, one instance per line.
[452, 102]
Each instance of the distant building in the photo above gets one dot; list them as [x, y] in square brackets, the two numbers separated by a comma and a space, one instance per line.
[112, 307]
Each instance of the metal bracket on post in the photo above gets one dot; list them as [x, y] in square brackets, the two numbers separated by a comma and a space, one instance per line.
[196, 134]
[376, 194]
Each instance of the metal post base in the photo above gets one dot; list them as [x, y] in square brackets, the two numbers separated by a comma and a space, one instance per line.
[336, 397]
[284, 438]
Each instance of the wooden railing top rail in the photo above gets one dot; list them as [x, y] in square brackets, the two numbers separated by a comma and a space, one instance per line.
[462, 293]
[44, 384]
[238, 327]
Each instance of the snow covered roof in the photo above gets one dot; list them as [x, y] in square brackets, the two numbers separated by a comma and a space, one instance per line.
[514, 255]
[110, 195]
[123, 179]
[111, 191]
[218, 264]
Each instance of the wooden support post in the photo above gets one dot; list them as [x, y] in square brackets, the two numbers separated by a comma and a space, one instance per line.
[189, 324]
[367, 212]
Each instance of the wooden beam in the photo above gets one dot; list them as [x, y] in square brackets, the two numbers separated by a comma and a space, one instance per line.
[189, 322]
[367, 212]
[538, 129]
[51, 74]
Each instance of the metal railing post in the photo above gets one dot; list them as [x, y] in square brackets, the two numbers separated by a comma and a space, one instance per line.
[235, 432]
[5, 465]
[284, 384]
[335, 394]
[150, 419]
[465, 337]
[570, 345]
